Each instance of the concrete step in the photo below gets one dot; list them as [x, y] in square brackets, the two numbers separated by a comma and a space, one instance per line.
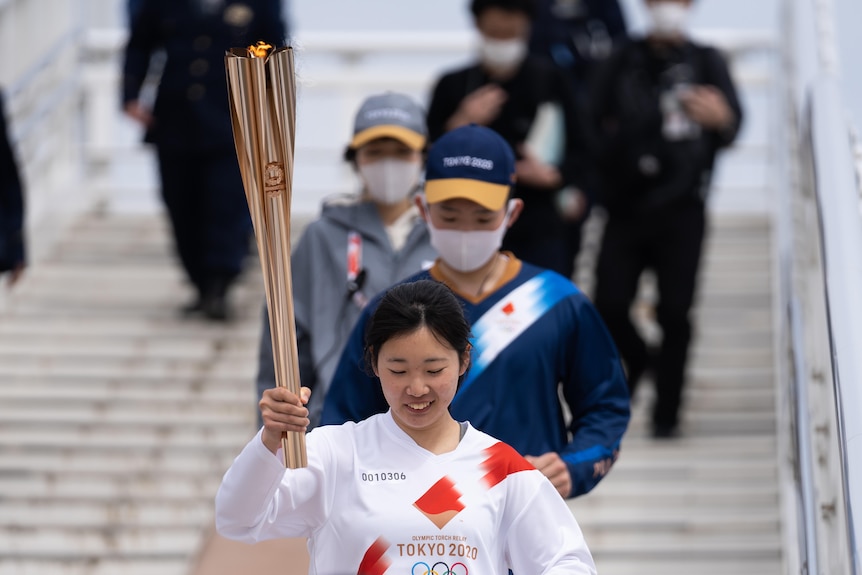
[104, 346]
[611, 565]
[33, 513]
[117, 417]
[143, 326]
[223, 367]
[148, 441]
[118, 420]
[117, 461]
[100, 391]
[116, 485]
[127, 565]
[111, 541]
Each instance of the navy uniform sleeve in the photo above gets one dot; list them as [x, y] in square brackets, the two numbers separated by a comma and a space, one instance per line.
[11, 200]
[353, 394]
[595, 390]
[143, 40]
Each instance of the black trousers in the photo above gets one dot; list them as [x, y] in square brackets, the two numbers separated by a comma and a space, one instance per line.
[205, 200]
[670, 243]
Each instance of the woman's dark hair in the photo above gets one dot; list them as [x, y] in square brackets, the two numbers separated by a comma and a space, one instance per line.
[527, 7]
[410, 306]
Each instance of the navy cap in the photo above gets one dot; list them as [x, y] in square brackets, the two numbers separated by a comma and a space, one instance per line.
[471, 162]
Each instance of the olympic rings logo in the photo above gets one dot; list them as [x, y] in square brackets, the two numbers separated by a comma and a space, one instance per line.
[446, 570]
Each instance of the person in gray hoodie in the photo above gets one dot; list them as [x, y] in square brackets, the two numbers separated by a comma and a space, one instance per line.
[360, 245]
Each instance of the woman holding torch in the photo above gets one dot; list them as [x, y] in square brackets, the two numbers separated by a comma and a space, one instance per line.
[411, 490]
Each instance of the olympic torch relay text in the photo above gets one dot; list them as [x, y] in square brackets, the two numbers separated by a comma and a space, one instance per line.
[262, 91]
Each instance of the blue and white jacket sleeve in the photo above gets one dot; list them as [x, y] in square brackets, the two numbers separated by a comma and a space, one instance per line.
[595, 390]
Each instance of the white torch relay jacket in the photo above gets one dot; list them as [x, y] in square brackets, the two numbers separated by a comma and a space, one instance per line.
[371, 501]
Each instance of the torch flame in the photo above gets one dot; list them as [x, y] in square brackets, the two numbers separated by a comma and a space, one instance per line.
[259, 50]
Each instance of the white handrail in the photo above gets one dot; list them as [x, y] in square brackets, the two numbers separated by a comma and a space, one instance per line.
[807, 486]
[841, 230]
[829, 281]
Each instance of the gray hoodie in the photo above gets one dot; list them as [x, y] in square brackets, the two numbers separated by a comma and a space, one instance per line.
[325, 311]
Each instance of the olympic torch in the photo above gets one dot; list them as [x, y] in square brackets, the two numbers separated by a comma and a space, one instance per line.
[262, 93]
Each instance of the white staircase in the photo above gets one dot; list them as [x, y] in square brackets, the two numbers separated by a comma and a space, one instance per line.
[707, 503]
[117, 419]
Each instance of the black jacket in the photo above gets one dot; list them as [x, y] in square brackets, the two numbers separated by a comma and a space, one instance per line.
[11, 202]
[536, 82]
[191, 108]
[640, 168]
[576, 35]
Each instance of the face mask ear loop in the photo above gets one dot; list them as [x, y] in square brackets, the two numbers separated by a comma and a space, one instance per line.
[510, 207]
[424, 201]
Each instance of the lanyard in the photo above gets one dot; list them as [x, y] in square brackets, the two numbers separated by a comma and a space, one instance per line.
[355, 271]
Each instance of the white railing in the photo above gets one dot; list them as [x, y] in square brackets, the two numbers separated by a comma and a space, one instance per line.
[841, 236]
[820, 254]
[39, 73]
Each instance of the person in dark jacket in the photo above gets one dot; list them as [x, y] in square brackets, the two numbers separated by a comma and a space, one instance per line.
[663, 107]
[191, 129]
[528, 101]
[12, 258]
[576, 35]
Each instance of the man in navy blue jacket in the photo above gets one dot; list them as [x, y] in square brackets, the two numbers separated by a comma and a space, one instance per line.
[534, 333]
[191, 128]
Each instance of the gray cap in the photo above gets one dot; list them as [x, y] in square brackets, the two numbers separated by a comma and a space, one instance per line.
[390, 115]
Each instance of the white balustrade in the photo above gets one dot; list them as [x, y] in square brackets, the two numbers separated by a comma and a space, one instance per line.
[40, 75]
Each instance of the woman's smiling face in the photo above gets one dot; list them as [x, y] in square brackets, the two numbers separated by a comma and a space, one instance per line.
[419, 376]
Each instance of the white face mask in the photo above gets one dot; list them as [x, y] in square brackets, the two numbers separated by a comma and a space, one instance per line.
[668, 18]
[389, 181]
[468, 251]
[502, 54]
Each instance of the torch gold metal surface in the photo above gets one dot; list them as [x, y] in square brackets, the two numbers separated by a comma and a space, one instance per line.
[262, 91]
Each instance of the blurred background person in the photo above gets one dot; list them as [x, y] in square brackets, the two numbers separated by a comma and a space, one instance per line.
[663, 107]
[529, 102]
[12, 258]
[360, 245]
[191, 129]
[576, 35]
[132, 9]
